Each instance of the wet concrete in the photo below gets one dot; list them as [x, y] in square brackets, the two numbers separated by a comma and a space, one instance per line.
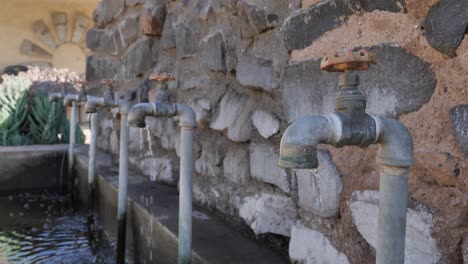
[32, 168]
[152, 221]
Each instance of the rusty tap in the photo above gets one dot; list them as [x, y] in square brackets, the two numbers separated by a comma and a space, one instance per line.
[348, 60]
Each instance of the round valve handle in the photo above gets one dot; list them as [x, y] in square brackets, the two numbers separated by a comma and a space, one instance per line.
[161, 77]
[347, 61]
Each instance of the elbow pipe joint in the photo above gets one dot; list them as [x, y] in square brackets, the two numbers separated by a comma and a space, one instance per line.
[70, 98]
[298, 147]
[137, 114]
[92, 103]
[396, 143]
[54, 97]
[186, 114]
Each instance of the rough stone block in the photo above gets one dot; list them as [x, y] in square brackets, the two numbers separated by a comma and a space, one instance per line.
[212, 53]
[133, 2]
[42, 31]
[309, 246]
[81, 26]
[98, 40]
[320, 190]
[98, 68]
[236, 164]
[446, 25]
[152, 19]
[420, 246]
[138, 58]
[269, 213]
[233, 115]
[29, 48]
[128, 29]
[186, 39]
[165, 129]
[254, 20]
[266, 123]
[168, 40]
[459, 121]
[264, 166]
[61, 27]
[309, 91]
[106, 11]
[304, 27]
[255, 72]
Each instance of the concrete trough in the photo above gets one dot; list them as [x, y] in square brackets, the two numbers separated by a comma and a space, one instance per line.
[152, 220]
[32, 168]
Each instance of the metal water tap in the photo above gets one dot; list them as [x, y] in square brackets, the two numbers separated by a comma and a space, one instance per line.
[350, 125]
[77, 98]
[163, 107]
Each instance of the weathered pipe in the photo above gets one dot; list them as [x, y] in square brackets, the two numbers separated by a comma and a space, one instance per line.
[350, 125]
[91, 107]
[187, 123]
[92, 168]
[54, 97]
[71, 148]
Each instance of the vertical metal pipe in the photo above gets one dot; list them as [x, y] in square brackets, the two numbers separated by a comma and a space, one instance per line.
[92, 167]
[71, 147]
[122, 199]
[185, 196]
[393, 202]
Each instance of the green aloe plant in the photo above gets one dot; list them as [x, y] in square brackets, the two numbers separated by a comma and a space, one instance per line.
[35, 120]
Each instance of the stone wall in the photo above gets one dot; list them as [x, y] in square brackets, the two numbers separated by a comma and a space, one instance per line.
[250, 67]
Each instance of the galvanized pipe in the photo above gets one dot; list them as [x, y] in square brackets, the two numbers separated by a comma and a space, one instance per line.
[185, 196]
[393, 202]
[123, 181]
[71, 146]
[92, 168]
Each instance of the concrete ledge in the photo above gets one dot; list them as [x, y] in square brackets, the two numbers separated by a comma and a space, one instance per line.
[153, 221]
[32, 168]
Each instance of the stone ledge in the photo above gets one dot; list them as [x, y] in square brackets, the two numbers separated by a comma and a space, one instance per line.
[153, 221]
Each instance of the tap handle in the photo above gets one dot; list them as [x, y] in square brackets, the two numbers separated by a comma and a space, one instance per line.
[162, 79]
[347, 61]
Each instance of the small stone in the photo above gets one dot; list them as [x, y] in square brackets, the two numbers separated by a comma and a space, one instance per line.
[98, 68]
[106, 11]
[266, 124]
[233, 114]
[152, 19]
[420, 246]
[446, 25]
[211, 160]
[264, 166]
[159, 170]
[212, 52]
[138, 59]
[459, 121]
[269, 213]
[320, 190]
[309, 246]
[255, 72]
[236, 164]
